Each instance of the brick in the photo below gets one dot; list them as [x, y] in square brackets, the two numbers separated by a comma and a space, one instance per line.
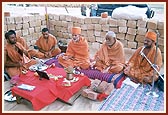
[95, 20]
[58, 23]
[42, 17]
[160, 41]
[141, 31]
[50, 16]
[25, 26]
[10, 20]
[80, 20]
[31, 31]
[18, 32]
[105, 28]
[43, 22]
[92, 39]
[97, 33]
[25, 32]
[43, 26]
[152, 24]
[142, 23]
[18, 20]
[74, 19]
[68, 18]
[103, 21]
[32, 24]
[140, 38]
[90, 33]
[65, 35]
[64, 24]
[160, 25]
[19, 26]
[100, 39]
[64, 30]
[131, 31]
[26, 19]
[114, 29]
[161, 33]
[84, 33]
[37, 29]
[132, 45]
[121, 23]
[124, 42]
[11, 26]
[131, 24]
[77, 25]
[58, 29]
[120, 36]
[56, 17]
[97, 27]
[103, 34]
[90, 26]
[87, 21]
[38, 23]
[62, 17]
[122, 29]
[130, 37]
[112, 22]
[140, 44]
[59, 34]
[84, 27]
[5, 27]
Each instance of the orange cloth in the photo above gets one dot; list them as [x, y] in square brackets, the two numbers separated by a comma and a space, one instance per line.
[79, 51]
[46, 45]
[22, 41]
[151, 35]
[14, 58]
[113, 57]
[140, 68]
[76, 30]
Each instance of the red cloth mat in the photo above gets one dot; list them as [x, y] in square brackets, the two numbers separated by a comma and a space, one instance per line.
[47, 91]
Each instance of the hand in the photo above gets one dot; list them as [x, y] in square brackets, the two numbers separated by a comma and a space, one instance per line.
[127, 69]
[106, 70]
[65, 57]
[92, 64]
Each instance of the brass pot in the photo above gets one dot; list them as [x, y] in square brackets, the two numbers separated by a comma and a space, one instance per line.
[69, 76]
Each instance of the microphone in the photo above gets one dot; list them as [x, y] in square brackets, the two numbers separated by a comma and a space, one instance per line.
[157, 32]
[141, 52]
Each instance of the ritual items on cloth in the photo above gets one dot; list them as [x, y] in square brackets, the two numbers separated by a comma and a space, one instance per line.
[99, 90]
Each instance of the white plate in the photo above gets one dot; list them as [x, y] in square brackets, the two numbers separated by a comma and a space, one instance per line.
[9, 97]
[38, 67]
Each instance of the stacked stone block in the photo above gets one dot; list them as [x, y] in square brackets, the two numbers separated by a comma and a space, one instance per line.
[130, 32]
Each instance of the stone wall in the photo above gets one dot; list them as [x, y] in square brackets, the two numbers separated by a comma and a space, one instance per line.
[130, 32]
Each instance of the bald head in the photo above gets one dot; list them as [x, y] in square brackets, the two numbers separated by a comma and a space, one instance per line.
[111, 34]
[110, 38]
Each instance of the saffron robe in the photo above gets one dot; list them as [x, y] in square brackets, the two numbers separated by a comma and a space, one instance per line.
[139, 66]
[47, 46]
[113, 57]
[22, 41]
[16, 61]
[79, 53]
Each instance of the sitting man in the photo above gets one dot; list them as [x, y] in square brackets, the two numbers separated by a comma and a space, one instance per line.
[110, 58]
[19, 39]
[46, 45]
[77, 53]
[138, 68]
[16, 57]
